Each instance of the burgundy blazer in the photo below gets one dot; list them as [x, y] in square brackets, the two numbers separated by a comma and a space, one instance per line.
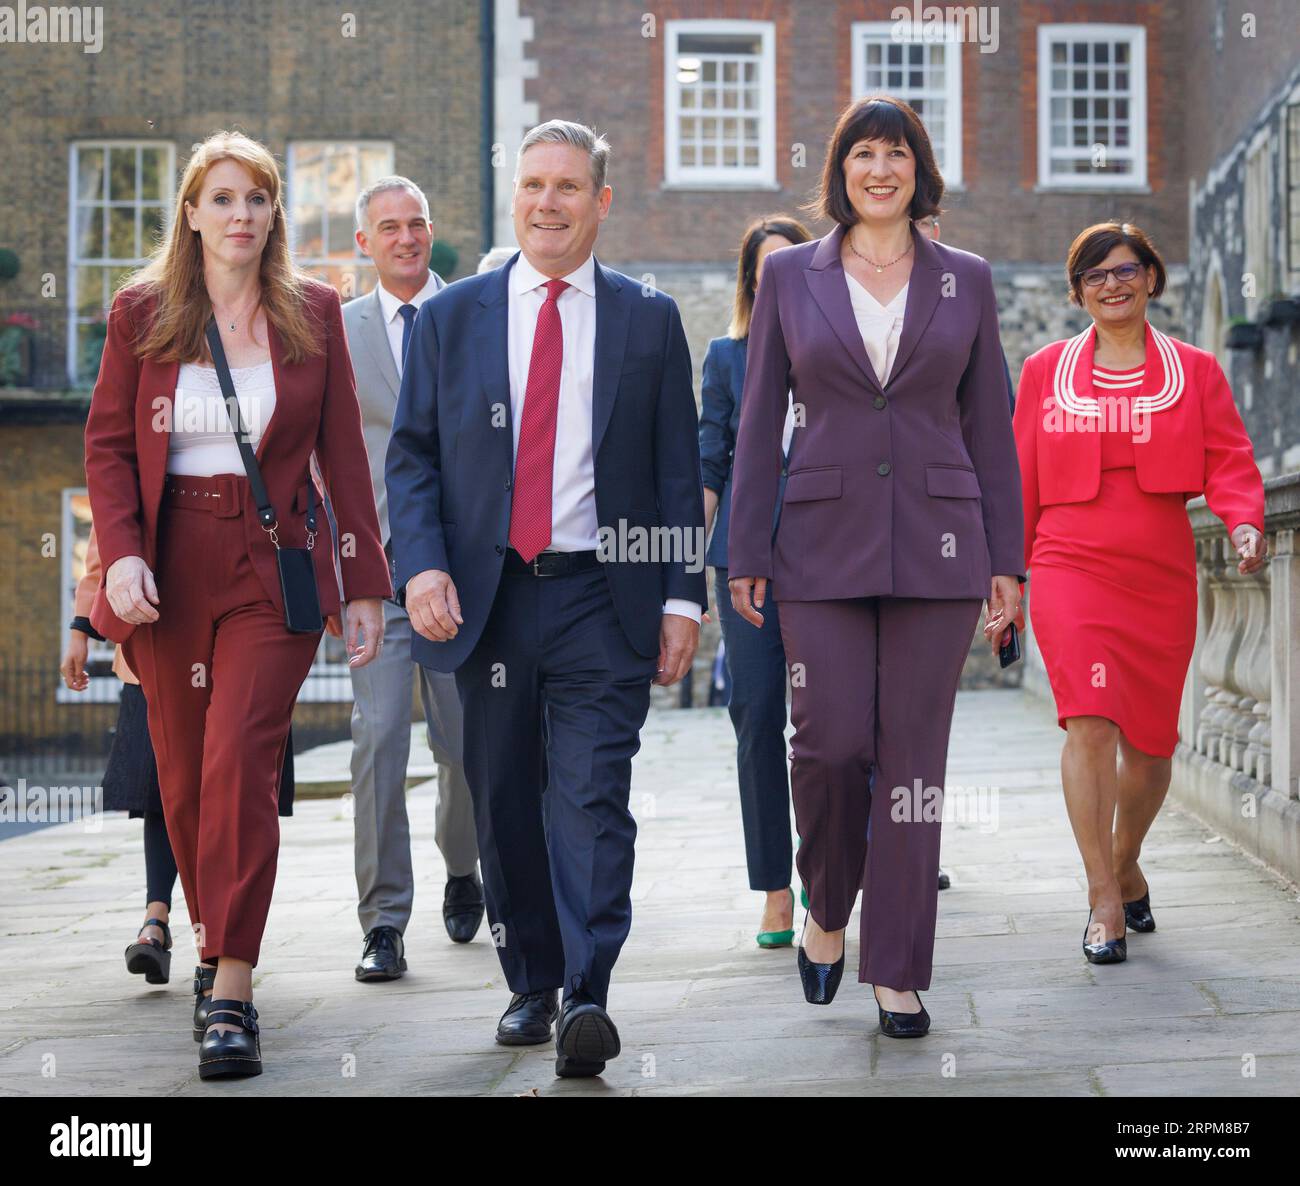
[906, 490]
[316, 410]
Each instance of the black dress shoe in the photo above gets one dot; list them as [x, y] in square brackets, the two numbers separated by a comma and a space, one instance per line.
[820, 981]
[382, 957]
[527, 1019]
[204, 979]
[586, 1038]
[462, 907]
[224, 1055]
[1112, 951]
[903, 1025]
[1138, 916]
[944, 880]
[151, 958]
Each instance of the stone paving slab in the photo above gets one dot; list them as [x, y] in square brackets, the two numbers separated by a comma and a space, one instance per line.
[701, 1009]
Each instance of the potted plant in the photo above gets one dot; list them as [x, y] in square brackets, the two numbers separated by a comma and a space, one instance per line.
[1281, 310]
[17, 350]
[1244, 335]
[442, 258]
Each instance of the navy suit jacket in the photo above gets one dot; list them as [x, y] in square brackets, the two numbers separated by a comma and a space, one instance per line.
[450, 461]
[724, 380]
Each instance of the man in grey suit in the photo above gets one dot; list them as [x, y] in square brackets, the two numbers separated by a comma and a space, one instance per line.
[393, 228]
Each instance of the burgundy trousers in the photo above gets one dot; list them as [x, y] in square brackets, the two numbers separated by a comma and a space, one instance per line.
[220, 672]
[873, 681]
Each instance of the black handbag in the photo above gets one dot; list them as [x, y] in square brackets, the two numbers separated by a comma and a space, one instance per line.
[297, 575]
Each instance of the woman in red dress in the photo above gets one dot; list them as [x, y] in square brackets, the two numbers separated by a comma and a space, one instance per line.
[1115, 430]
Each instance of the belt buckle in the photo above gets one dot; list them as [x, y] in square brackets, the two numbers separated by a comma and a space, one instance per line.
[536, 570]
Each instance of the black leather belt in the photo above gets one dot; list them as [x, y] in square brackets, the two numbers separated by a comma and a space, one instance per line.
[552, 564]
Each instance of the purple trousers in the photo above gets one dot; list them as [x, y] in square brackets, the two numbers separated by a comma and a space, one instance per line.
[873, 681]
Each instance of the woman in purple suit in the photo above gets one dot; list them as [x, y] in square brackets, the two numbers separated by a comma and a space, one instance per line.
[900, 516]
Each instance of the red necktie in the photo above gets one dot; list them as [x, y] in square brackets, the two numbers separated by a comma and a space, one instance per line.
[530, 508]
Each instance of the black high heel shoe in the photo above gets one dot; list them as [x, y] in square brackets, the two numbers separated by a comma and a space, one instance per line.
[223, 1054]
[204, 979]
[820, 981]
[1137, 914]
[902, 1025]
[1112, 951]
[148, 957]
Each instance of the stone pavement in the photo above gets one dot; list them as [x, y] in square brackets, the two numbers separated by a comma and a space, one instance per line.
[1017, 1010]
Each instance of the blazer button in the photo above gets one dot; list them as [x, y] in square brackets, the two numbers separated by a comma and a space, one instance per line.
[883, 469]
[507, 485]
[880, 401]
[500, 549]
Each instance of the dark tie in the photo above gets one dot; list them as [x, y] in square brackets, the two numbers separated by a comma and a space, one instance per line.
[530, 508]
[408, 316]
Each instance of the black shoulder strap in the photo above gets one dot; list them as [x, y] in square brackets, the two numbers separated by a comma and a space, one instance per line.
[265, 511]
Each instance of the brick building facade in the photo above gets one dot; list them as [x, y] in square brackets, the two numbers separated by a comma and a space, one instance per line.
[94, 144]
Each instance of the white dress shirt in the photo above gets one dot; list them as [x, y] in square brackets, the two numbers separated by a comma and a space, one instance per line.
[880, 326]
[391, 308]
[574, 524]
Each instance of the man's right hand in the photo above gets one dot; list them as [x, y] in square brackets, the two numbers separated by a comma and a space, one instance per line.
[433, 606]
[129, 587]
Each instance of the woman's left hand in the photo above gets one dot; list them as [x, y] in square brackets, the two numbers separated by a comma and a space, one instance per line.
[365, 619]
[1251, 546]
[1001, 610]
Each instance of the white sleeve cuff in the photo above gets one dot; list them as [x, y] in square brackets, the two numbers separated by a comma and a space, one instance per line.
[683, 608]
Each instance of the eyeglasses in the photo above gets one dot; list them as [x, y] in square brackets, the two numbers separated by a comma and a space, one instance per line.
[1094, 277]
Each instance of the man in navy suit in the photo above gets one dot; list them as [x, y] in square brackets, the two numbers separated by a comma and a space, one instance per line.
[548, 533]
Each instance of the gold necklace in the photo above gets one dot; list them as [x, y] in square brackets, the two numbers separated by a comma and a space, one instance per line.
[872, 262]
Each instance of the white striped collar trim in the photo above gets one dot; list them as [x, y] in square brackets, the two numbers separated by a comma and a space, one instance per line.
[1087, 406]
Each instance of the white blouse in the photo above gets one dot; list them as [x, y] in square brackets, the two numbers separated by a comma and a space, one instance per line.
[202, 439]
[880, 325]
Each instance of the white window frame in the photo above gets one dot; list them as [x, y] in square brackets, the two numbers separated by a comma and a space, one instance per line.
[165, 200]
[1257, 219]
[949, 34]
[326, 261]
[1136, 36]
[762, 176]
[1291, 194]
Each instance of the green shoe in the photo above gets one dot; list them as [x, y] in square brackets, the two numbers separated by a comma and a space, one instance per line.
[777, 938]
[803, 889]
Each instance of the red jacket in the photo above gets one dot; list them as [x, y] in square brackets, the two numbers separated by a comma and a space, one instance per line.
[316, 409]
[1196, 442]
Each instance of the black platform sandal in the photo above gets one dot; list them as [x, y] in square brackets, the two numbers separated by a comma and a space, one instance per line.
[148, 957]
[204, 979]
[228, 1055]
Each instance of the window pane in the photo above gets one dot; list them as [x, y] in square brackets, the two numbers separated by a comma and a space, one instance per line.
[91, 298]
[729, 156]
[1101, 52]
[90, 173]
[708, 155]
[90, 232]
[152, 162]
[1059, 52]
[122, 173]
[1080, 52]
[121, 233]
[751, 158]
[1121, 80]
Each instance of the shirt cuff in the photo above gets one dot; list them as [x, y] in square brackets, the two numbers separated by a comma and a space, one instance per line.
[683, 608]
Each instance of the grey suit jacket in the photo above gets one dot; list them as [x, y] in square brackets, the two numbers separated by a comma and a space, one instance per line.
[377, 385]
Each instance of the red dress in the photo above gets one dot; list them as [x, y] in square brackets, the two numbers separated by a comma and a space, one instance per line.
[1108, 460]
[1109, 653]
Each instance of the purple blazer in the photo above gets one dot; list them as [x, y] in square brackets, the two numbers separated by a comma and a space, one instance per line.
[910, 490]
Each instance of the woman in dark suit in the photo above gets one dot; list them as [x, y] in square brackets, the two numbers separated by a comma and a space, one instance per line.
[755, 660]
[191, 578]
[901, 513]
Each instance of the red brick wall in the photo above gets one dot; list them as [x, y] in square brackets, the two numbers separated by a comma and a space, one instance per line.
[594, 66]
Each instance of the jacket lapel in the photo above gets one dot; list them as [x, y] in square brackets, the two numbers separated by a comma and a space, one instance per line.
[492, 344]
[924, 288]
[612, 317]
[374, 336]
[829, 287]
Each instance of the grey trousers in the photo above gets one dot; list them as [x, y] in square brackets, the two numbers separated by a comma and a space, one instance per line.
[381, 746]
